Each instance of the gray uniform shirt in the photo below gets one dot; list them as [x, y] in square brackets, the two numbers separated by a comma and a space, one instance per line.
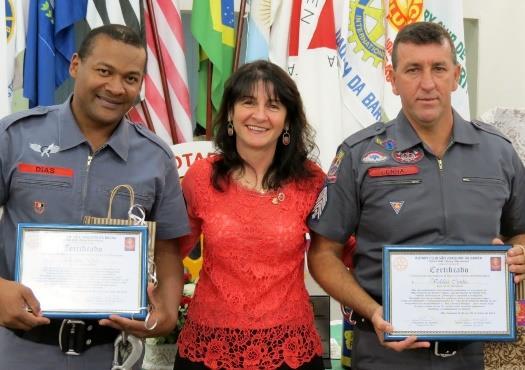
[49, 175]
[387, 188]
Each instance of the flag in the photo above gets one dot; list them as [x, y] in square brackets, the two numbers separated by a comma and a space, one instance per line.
[278, 45]
[12, 43]
[312, 62]
[5, 103]
[50, 45]
[168, 24]
[165, 102]
[260, 19]
[360, 45]
[127, 12]
[212, 25]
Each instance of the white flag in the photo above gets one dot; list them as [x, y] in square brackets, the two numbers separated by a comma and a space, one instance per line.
[312, 62]
[361, 50]
[12, 42]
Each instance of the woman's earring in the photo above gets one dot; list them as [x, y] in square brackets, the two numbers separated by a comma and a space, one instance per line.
[286, 137]
[230, 128]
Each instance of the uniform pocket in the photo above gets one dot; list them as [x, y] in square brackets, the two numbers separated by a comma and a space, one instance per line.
[489, 181]
[395, 182]
[34, 182]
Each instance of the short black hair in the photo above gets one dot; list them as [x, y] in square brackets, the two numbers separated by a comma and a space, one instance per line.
[290, 161]
[423, 33]
[117, 32]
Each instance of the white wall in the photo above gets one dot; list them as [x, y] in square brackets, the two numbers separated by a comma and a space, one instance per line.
[500, 64]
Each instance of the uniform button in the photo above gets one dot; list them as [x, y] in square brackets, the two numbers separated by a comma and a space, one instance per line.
[89, 328]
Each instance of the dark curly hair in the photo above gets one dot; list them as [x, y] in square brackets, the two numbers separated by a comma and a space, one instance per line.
[290, 161]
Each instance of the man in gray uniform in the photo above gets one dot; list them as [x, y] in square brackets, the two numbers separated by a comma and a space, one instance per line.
[60, 163]
[426, 177]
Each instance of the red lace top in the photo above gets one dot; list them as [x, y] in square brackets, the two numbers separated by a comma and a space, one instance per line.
[251, 309]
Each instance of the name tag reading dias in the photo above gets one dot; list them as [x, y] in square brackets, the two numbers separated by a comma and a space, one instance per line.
[45, 170]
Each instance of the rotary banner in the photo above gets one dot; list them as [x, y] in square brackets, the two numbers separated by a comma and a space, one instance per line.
[365, 34]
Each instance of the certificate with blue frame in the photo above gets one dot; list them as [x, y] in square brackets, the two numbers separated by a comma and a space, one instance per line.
[448, 292]
[84, 271]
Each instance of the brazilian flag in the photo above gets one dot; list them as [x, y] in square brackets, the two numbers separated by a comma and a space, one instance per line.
[213, 26]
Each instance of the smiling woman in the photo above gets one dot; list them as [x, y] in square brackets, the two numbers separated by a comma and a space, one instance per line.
[251, 308]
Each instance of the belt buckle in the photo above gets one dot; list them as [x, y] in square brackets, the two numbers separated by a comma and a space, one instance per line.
[71, 337]
[445, 353]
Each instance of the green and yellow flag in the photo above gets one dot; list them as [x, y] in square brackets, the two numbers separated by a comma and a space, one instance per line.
[213, 26]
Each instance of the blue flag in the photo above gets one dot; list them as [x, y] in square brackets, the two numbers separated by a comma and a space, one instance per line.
[50, 43]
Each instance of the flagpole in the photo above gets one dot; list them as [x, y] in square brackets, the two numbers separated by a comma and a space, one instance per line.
[209, 129]
[147, 116]
[162, 70]
[240, 30]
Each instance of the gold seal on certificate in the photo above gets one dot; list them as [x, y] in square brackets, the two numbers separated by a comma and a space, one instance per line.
[84, 271]
[448, 292]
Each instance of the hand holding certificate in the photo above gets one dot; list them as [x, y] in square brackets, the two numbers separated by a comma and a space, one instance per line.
[84, 271]
[448, 292]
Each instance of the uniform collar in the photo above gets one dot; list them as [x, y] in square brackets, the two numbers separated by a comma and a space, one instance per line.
[462, 131]
[69, 134]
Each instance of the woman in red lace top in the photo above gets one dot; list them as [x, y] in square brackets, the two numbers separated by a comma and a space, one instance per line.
[251, 309]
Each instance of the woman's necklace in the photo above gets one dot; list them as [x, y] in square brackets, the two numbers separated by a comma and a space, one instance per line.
[278, 196]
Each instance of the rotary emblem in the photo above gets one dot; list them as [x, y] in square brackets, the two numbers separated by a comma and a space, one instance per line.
[400, 263]
[367, 29]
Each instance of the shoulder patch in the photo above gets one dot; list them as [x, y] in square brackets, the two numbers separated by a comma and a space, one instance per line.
[144, 131]
[490, 129]
[18, 116]
[368, 132]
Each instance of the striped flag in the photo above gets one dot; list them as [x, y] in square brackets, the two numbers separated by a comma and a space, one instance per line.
[129, 12]
[166, 99]
[260, 19]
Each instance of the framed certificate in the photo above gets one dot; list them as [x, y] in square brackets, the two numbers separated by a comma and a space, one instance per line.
[448, 292]
[84, 271]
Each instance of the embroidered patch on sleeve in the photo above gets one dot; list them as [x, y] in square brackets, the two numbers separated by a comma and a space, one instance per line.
[331, 177]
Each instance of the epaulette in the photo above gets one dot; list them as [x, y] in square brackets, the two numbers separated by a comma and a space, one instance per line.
[368, 132]
[15, 117]
[490, 129]
[144, 131]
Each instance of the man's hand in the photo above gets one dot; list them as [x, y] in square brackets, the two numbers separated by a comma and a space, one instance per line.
[515, 259]
[19, 309]
[161, 321]
[381, 326]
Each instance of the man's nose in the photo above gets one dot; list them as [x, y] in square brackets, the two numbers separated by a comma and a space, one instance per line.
[115, 86]
[427, 80]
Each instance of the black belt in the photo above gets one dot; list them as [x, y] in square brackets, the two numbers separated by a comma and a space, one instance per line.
[72, 336]
[438, 348]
